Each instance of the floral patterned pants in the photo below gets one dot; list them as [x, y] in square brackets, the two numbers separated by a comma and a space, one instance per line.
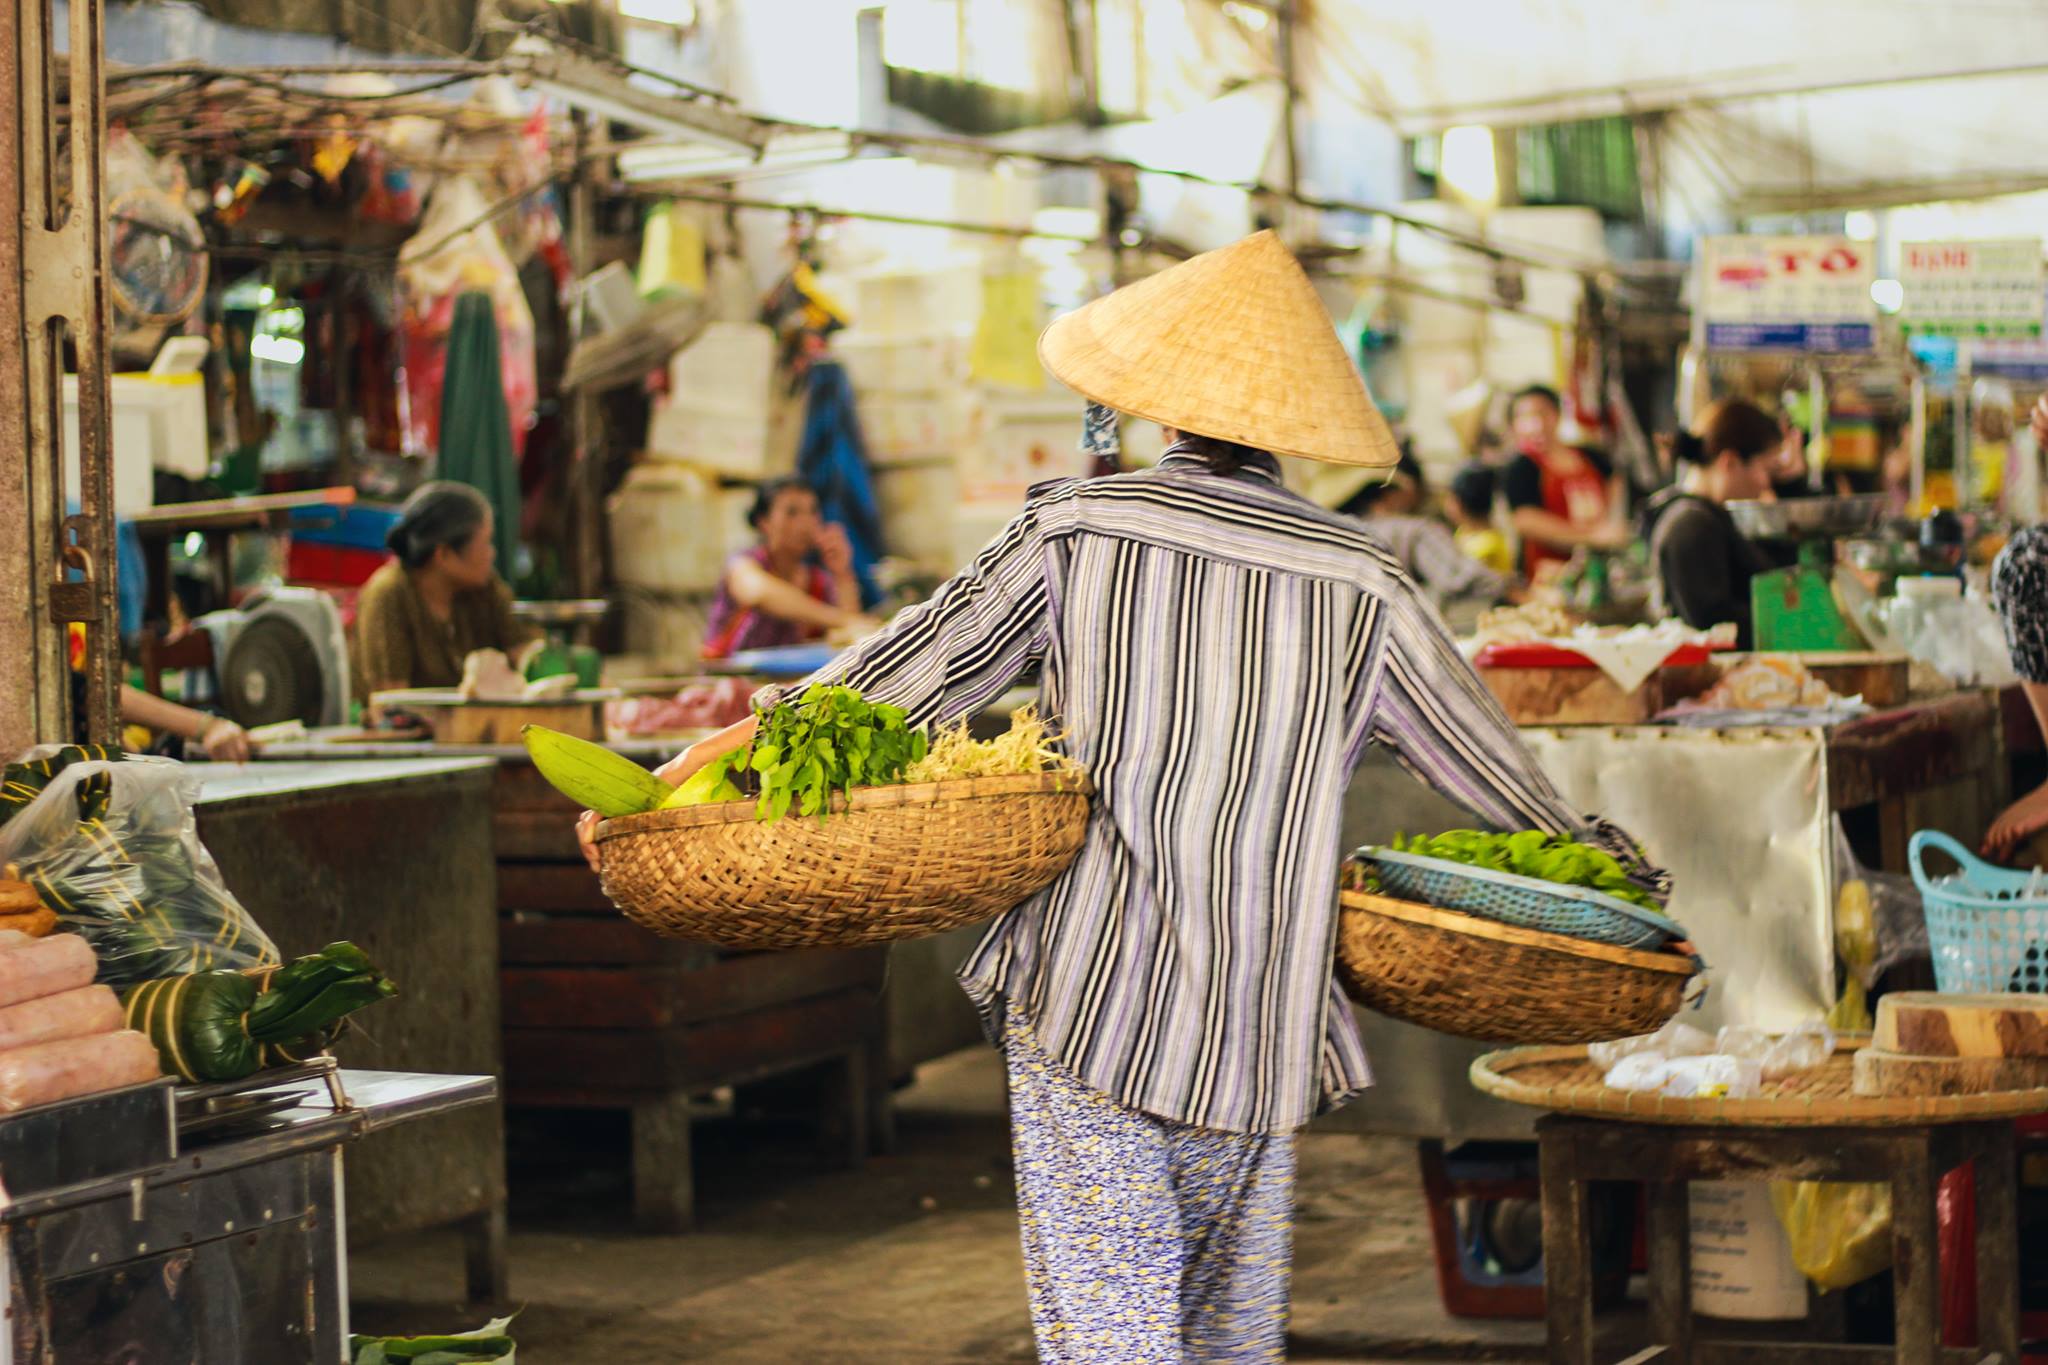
[1145, 1242]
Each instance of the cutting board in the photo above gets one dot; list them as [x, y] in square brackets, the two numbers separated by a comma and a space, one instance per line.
[1879, 1072]
[1930, 1024]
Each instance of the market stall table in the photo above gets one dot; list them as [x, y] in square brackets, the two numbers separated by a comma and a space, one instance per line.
[1808, 1126]
[396, 858]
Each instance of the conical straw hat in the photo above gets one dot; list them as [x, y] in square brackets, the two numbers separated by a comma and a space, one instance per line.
[1233, 344]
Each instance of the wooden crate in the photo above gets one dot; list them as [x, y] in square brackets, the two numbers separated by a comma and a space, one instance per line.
[1587, 696]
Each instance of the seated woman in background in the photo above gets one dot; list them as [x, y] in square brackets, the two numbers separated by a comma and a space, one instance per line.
[796, 585]
[421, 615]
[1704, 565]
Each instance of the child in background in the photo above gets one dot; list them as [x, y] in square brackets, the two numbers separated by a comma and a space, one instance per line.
[1470, 505]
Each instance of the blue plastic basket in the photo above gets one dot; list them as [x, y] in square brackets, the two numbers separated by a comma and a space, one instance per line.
[1522, 901]
[1986, 934]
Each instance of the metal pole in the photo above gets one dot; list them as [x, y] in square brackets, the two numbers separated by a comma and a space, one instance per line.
[55, 237]
[1291, 92]
[586, 429]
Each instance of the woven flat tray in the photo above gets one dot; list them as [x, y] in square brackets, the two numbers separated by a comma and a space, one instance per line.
[1561, 1080]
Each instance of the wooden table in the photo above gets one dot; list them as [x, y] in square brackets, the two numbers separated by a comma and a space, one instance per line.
[601, 1014]
[1910, 1157]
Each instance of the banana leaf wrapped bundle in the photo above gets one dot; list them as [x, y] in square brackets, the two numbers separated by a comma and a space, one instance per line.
[22, 783]
[223, 1025]
[112, 848]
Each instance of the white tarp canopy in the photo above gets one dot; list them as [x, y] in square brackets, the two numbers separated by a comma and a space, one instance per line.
[1776, 105]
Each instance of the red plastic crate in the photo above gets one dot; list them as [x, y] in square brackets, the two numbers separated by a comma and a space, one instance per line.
[331, 566]
[1957, 1204]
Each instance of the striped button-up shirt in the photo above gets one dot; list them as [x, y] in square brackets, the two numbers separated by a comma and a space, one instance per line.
[1218, 653]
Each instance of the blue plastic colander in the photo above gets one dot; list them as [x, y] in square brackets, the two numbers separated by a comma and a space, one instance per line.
[1523, 901]
[1986, 933]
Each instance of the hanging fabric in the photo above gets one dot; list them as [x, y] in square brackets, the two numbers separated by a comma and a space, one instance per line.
[833, 460]
[476, 434]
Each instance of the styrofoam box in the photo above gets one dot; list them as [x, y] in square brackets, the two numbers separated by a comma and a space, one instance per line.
[880, 364]
[665, 530]
[1573, 231]
[901, 303]
[1430, 321]
[728, 369]
[1019, 446]
[669, 632]
[734, 444]
[156, 425]
[919, 503]
[915, 426]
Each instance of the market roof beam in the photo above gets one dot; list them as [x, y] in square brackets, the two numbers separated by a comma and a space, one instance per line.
[605, 90]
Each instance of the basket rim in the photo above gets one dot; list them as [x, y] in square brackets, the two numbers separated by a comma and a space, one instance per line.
[861, 799]
[1598, 900]
[1458, 922]
[1493, 1074]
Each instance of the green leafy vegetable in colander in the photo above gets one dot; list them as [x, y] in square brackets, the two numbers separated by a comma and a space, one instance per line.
[1532, 853]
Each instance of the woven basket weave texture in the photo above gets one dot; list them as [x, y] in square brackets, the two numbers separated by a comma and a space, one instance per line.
[1475, 978]
[889, 863]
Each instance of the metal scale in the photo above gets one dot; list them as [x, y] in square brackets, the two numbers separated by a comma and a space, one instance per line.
[1805, 608]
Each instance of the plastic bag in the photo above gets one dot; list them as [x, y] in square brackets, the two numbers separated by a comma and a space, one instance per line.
[1841, 1232]
[113, 848]
[453, 252]
[1673, 1040]
[1960, 638]
[1801, 1049]
[1889, 910]
[1713, 1075]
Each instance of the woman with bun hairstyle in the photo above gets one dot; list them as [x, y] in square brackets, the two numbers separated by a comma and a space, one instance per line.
[1704, 565]
[440, 598]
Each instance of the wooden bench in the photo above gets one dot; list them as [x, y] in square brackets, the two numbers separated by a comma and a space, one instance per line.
[599, 1013]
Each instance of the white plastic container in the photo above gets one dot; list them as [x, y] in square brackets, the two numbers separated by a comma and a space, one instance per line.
[917, 426]
[728, 369]
[734, 444]
[148, 420]
[1019, 443]
[1741, 1261]
[665, 532]
[917, 304]
[919, 504]
[882, 364]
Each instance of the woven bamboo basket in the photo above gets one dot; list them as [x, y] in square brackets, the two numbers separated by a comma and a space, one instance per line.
[888, 863]
[1478, 978]
[1561, 1080]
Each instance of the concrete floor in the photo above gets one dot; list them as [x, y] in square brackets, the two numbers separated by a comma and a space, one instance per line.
[913, 1259]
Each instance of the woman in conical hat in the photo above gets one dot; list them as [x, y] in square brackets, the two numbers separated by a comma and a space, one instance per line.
[1218, 652]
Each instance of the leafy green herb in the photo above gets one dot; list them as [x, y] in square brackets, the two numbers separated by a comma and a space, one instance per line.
[1532, 853]
[830, 740]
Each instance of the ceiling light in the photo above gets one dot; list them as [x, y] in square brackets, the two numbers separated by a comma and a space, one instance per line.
[1888, 295]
